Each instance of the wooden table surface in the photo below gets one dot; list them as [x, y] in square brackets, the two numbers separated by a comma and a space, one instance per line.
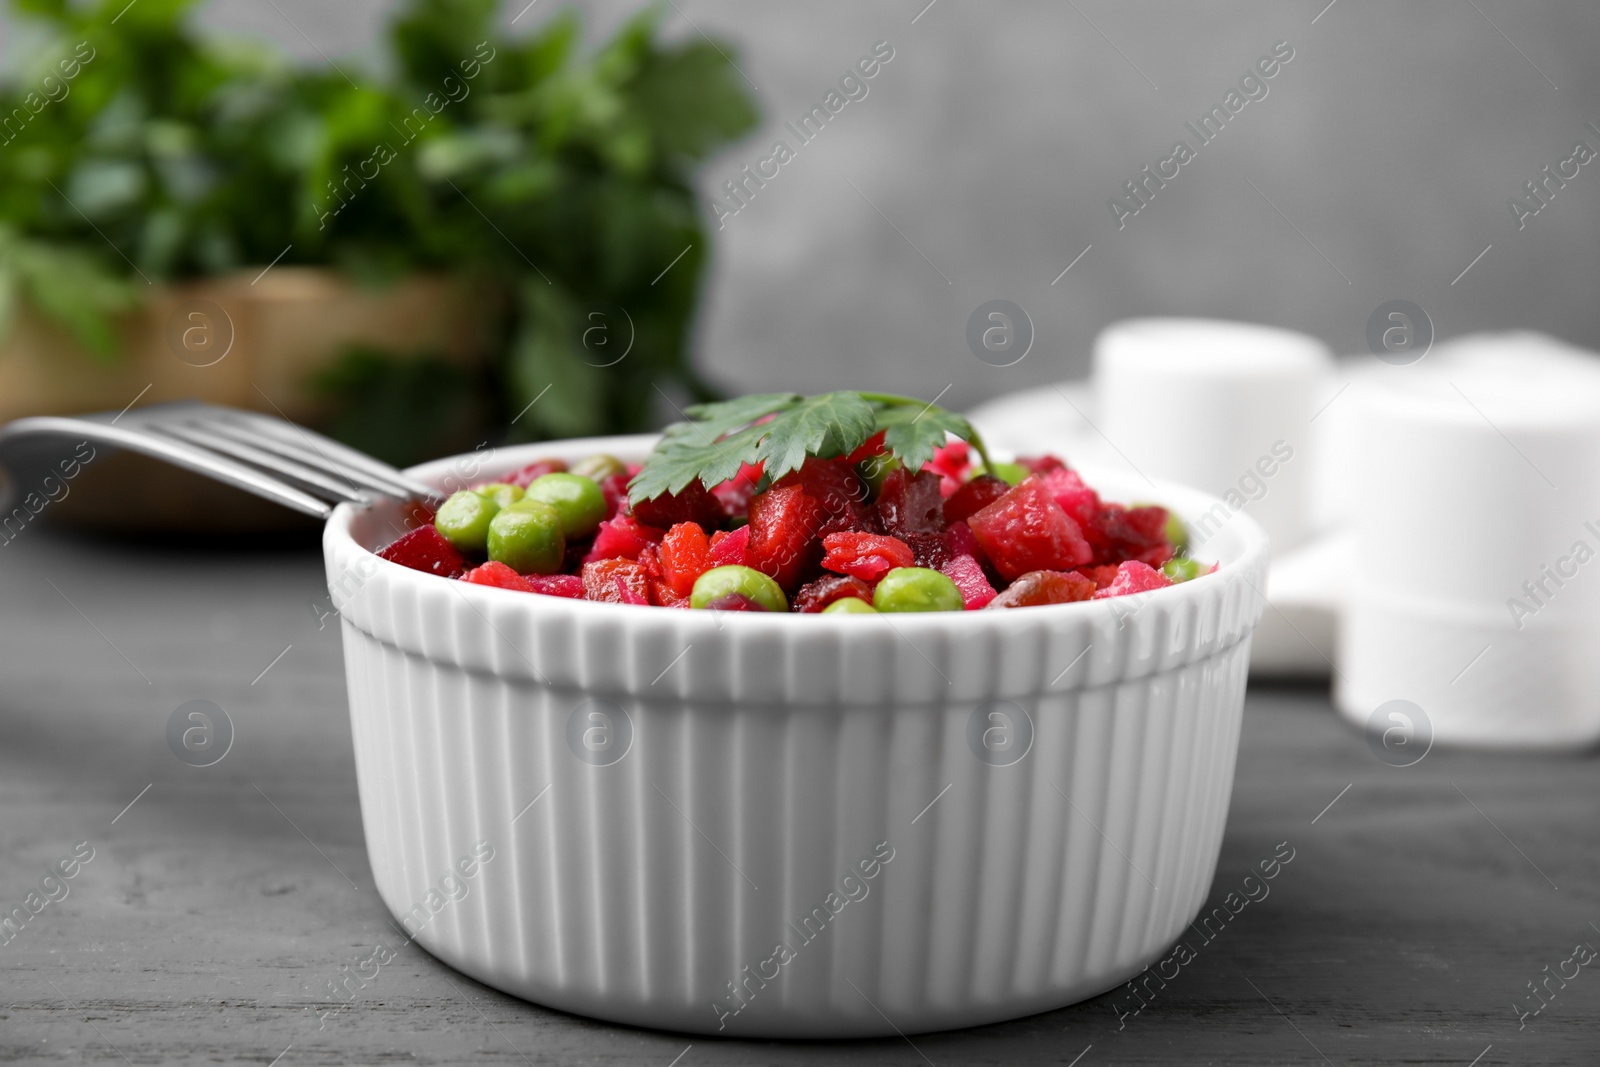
[218, 907]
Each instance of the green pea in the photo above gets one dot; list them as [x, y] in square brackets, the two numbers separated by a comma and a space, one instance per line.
[1182, 568]
[850, 605]
[502, 493]
[527, 538]
[1177, 533]
[598, 467]
[464, 519]
[916, 589]
[578, 499]
[748, 582]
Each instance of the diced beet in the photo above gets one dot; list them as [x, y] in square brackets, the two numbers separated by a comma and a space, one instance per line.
[928, 550]
[783, 535]
[685, 556]
[663, 595]
[1134, 577]
[872, 446]
[1117, 533]
[960, 540]
[735, 493]
[563, 585]
[814, 596]
[498, 575]
[977, 494]
[734, 602]
[866, 556]
[970, 580]
[1037, 588]
[623, 537]
[911, 504]
[1075, 498]
[835, 485]
[952, 460]
[650, 560]
[1040, 464]
[607, 579]
[1101, 575]
[730, 548]
[693, 504]
[534, 470]
[425, 549]
[615, 490]
[1026, 530]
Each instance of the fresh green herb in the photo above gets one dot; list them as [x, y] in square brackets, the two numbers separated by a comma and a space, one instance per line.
[779, 430]
[556, 181]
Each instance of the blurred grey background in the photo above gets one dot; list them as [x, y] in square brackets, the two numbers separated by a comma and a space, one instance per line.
[981, 162]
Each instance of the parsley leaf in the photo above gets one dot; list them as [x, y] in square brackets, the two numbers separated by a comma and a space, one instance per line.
[915, 433]
[780, 430]
[833, 424]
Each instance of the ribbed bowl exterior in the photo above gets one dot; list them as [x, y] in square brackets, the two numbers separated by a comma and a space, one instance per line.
[791, 827]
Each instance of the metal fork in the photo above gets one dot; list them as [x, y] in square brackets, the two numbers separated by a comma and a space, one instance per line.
[272, 458]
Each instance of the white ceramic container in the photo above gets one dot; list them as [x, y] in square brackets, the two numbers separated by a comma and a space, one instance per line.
[1471, 590]
[1223, 406]
[781, 826]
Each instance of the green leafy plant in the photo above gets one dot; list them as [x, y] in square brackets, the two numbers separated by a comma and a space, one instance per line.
[555, 184]
[780, 430]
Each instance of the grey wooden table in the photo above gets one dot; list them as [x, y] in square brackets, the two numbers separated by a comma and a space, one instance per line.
[220, 902]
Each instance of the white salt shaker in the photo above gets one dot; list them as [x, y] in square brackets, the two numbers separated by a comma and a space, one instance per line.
[1474, 588]
[1223, 406]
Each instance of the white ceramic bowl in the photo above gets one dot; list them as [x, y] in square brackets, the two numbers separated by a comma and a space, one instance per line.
[834, 785]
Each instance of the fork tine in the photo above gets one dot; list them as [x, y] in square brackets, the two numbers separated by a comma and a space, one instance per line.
[22, 435]
[311, 448]
[288, 452]
[287, 468]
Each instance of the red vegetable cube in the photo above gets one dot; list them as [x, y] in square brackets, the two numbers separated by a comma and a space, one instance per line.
[425, 549]
[814, 596]
[783, 534]
[562, 585]
[616, 581]
[735, 493]
[911, 504]
[1134, 577]
[1075, 498]
[498, 575]
[663, 595]
[730, 548]
[1026, 530]
[1040, 464]
[865, 555]
[960, 541]
[623, 537]
[952, 460]
[872, 446]
[685, 556]
[1117, 533]
[1101, 575]
[1037, 588]
[968, 575]
[975, 495]
[534, 470]
[835, 485]
[694, 503]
